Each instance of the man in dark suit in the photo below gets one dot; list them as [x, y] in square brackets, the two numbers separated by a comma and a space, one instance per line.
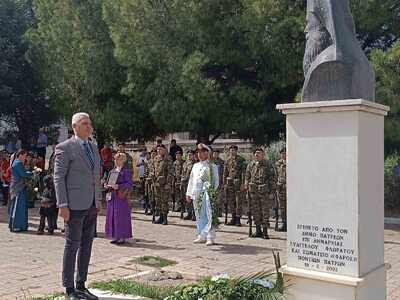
[77, 185]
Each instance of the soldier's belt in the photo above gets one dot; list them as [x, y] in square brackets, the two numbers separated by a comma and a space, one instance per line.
[161, 180]
[229, 181]
[253, 187]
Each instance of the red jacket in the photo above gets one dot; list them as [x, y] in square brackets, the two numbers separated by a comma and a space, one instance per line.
[5, 171]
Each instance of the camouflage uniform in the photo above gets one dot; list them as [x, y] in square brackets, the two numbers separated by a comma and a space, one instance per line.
[220, 164]
[186, 170]
[259, 176]
[281, 187]
[234, 172]
[148, 193]
[162, 177]
[177, 185]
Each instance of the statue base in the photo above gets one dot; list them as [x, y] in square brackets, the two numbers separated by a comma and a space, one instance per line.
[335, 212]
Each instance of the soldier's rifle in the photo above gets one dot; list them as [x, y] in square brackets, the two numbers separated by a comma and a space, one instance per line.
[276, 197]
[225, 205]
[249, 213]
[153, 202]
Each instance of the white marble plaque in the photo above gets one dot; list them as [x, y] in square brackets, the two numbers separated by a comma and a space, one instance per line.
[323, 248]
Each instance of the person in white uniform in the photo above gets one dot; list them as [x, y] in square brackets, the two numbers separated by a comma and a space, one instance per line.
[204, 175]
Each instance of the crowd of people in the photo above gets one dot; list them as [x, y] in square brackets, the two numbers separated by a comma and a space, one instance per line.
[250, 188]
[197, 183]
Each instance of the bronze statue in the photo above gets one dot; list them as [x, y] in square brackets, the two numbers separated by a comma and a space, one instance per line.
[335, 67]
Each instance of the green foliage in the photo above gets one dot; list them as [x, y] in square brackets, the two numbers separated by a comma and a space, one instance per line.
[50, 297]
[86, 76]
[154, 261]
[392, 186]
[252, 287]
[210, 66]
[230, 289]
[128, 287]
[144, 68]
[20, 96]
[387, 68]
[377, 22]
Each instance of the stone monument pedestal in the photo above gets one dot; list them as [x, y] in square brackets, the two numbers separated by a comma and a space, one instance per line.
[335, 209]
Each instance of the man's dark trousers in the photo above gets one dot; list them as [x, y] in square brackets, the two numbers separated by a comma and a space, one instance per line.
[79, 234]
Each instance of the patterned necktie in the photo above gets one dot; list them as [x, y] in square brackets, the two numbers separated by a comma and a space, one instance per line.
[89, 154]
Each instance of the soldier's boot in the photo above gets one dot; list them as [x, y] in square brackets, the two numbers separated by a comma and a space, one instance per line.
[259, 233]
[160, 219]
[265, 232]
[165, 219]
[232, 222]
[237, 222]
[188, 217]
[284, 227]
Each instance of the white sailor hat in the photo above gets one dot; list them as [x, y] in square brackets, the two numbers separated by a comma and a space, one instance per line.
[202, 146]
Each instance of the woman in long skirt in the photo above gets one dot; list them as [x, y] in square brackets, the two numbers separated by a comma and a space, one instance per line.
[118, 220]
[18, 210]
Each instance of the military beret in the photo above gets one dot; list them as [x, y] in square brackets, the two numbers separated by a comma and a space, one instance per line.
[233, 147]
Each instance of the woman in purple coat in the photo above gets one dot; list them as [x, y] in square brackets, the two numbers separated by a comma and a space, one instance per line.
[118, 221]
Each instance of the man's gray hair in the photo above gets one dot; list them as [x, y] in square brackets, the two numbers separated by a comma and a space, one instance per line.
[76, 118]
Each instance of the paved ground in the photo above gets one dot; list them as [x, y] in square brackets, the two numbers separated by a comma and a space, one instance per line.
[31, 264]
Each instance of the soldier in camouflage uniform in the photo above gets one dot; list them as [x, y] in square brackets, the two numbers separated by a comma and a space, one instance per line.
[219, 162]
[186, 170]
[281, 187]
[234, 173]
[162, 176]
[147, 185]
[177, 185]
[259, 176]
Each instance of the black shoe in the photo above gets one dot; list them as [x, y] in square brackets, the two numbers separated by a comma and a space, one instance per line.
[165, 220]
[73, 296]
[237, 223]
[188, 217]
[114, 242]
[276, 226]
[85, 294]
[159, 220]
[265, 233]
[259, 233]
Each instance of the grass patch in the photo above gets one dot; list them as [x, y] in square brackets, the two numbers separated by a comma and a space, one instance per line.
[128, 287]
[154, 261]
[50, 297]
